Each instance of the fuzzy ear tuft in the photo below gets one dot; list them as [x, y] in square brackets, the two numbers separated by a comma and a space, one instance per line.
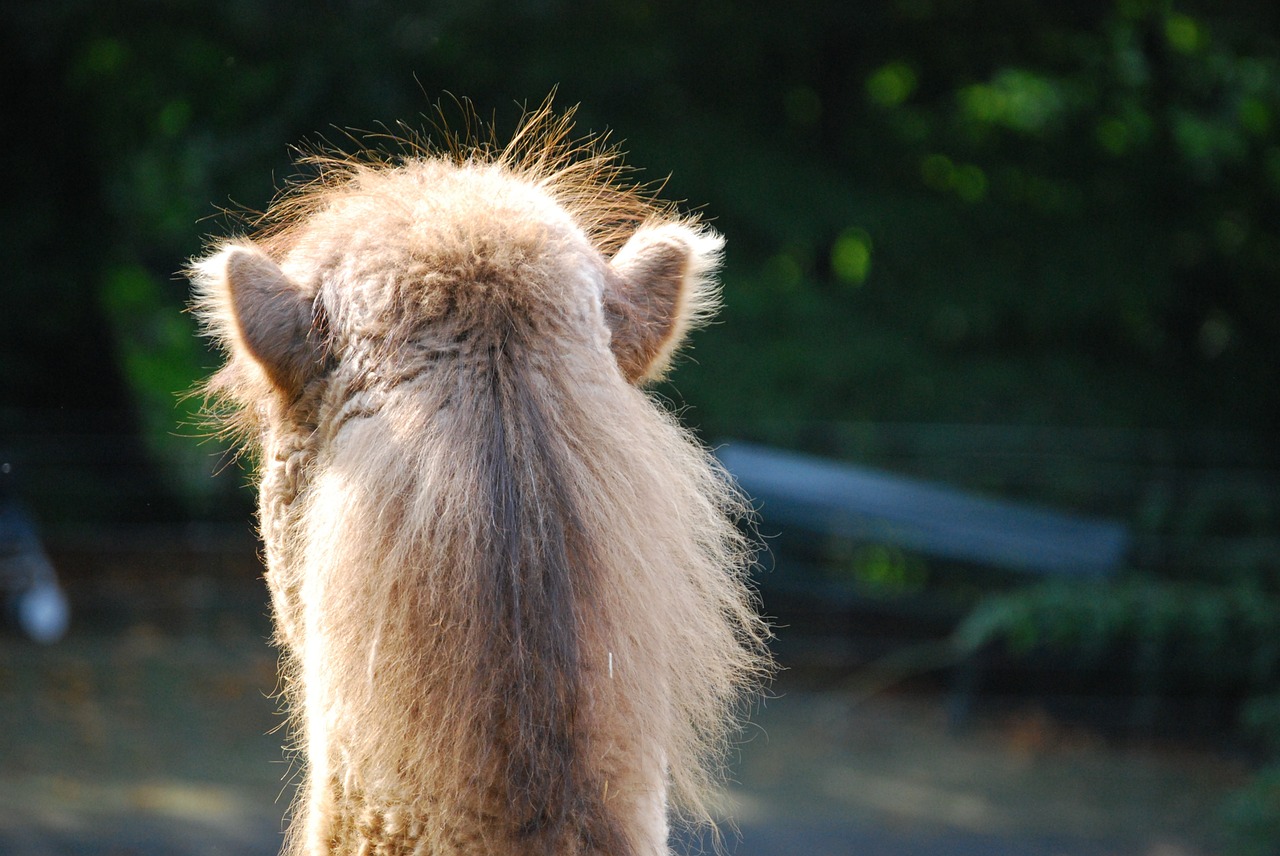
[662, 285]
[248, 304]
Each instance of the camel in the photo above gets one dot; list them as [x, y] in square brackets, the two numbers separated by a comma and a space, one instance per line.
[510, 589]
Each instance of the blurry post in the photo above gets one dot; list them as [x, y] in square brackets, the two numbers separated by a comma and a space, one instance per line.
[33, 603]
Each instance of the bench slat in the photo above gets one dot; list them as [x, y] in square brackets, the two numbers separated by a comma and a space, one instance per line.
[869, 505]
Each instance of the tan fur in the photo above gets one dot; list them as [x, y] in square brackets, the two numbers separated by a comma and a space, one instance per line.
[509, 586]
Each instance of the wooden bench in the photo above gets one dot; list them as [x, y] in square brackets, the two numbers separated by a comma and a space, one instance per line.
[861, 505]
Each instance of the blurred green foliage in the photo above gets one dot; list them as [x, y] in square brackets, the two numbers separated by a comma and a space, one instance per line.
[1161, 639]
[936, 209]
[1253, 814]
[1171, 633]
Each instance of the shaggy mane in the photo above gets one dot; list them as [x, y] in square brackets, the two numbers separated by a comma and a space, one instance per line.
[512, 590]
[585, 174]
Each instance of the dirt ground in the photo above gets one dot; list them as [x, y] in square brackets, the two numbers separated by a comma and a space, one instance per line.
[151, 730]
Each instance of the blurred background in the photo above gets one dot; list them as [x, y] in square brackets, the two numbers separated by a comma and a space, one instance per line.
[1013, 265]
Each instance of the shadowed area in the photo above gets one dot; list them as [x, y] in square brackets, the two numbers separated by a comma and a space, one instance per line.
[148, 731]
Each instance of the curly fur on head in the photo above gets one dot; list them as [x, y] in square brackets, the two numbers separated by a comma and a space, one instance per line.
[510, 587]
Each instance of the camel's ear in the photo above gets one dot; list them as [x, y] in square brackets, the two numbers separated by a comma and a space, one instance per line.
[253, 309]
[661, 285]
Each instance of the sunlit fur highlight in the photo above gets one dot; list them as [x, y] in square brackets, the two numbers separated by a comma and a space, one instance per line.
[510, 588]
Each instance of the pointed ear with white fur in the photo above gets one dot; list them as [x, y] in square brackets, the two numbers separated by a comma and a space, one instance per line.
[248, 304]
[661, 286]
